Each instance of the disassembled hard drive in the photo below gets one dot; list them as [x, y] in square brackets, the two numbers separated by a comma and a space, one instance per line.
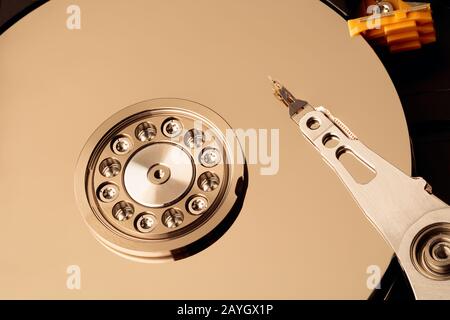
[152, 122]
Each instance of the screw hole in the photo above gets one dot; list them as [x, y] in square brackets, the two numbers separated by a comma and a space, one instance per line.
[442, 251]
[123, 210]
[110, 167]
[208, 181]
[330, 141]
[145, 131]
[313, 123]
[159, 174]
[172, 218]
[194, 138]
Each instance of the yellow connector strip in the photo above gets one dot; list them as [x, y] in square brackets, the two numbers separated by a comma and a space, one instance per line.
[406, 27]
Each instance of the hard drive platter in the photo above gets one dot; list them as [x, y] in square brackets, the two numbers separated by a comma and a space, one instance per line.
[117, 84]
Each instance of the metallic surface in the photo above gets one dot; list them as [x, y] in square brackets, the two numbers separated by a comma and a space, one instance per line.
[59, 85]
[385, 6]
[393, 201]
[159, 174]
[431, 251]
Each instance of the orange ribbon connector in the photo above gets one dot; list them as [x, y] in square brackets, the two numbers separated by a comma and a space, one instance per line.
[397, 24]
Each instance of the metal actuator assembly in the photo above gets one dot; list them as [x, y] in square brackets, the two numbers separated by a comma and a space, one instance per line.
[403, 209]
